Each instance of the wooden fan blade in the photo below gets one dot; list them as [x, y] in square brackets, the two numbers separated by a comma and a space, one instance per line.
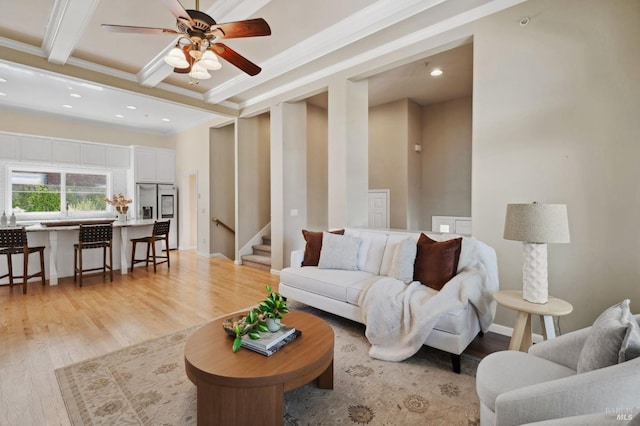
[137, 30]
[178, 11]
[235, 58]
[249, 28]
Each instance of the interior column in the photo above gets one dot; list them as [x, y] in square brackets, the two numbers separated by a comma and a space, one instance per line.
[348, 154]
[288, 180]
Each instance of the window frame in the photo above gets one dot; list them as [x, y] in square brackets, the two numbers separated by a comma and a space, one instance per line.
[63, 188]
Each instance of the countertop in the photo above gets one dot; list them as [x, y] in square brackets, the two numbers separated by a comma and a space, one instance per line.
[32, 226]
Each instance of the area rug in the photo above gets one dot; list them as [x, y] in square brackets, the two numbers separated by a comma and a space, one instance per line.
[145, 384]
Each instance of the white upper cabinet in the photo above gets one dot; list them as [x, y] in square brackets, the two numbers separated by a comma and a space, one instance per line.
[70, 153]
[154, 165]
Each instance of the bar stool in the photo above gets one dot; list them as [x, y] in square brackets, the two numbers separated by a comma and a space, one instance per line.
[160, 232]
[92, 237]
[14, 241]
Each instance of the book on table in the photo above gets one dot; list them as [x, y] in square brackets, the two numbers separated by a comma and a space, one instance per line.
[269, 341]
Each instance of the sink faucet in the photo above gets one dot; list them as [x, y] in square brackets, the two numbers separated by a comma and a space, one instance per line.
[66, 213]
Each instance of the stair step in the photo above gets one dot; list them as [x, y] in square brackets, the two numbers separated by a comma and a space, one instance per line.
[257, 261]
[266, 240]
[262, 249]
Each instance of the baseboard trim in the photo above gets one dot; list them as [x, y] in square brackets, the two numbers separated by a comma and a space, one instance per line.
[275, 271]
[508, 331]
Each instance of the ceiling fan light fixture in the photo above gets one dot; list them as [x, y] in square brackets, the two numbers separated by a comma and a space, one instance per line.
[198, 71]
[176, 58]
[210, 61]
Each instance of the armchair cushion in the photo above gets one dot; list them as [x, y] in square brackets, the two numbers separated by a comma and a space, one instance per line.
[505, 371]
[604, 346]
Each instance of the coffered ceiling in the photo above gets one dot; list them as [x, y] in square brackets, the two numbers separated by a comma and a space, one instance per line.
[50, 49]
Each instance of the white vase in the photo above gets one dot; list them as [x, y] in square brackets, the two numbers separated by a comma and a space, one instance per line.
[122, 217]
[273, 324]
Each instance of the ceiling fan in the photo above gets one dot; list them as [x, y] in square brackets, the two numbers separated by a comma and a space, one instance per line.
[197, 49]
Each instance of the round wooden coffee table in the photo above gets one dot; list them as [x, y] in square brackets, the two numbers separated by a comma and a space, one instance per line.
[246, 387]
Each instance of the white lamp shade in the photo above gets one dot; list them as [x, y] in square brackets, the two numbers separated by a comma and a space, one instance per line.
[176, 58]
[537, 223]
[199, 72]
[210, 61]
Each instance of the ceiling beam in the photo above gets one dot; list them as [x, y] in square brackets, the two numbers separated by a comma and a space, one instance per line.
[157, 70]
[32, 59]
[66, 24]
[371, 19]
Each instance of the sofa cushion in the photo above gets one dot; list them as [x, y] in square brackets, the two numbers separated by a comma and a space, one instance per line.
[390, 249]
[339, 252]
[436, 262]
[403, 261]
[314, 246]
[371, 249]
[604, 345]
[504, 371]
[332, 283]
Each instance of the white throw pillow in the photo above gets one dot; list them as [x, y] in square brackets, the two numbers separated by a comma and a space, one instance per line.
[371, 249]
[339, 252]
[403, 260]
[390, 249]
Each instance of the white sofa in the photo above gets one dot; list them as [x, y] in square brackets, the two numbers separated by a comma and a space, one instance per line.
[338, 291]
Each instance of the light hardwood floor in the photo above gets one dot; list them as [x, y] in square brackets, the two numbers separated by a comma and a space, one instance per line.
[54, 326]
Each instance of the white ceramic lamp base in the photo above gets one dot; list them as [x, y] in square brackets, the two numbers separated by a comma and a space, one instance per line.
[535, 286]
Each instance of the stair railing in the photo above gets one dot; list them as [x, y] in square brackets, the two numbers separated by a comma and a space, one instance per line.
[218, 222]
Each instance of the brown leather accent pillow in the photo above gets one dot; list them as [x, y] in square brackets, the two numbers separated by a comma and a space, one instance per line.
[314, 245]
[436, 262]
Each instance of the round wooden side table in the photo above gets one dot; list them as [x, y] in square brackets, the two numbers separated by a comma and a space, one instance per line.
[521, 337]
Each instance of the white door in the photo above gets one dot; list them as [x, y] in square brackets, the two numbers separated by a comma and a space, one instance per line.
[379, 208]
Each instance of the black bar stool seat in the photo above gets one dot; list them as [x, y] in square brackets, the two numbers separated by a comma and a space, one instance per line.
[14, 241]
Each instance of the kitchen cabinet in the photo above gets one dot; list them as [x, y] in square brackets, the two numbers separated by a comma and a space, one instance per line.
[154, 165]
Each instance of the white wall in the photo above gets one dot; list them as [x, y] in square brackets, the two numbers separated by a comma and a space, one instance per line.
[446, 160]
[556, 108]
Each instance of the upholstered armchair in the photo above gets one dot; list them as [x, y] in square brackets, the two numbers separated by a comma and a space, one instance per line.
[544, 385]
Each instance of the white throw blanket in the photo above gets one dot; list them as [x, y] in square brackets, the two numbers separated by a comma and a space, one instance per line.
[399, 317]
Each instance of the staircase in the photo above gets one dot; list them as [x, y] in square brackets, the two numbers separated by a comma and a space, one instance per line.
[261, 257]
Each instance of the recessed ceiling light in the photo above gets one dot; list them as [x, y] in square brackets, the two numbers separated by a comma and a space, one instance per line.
[66, 106]
[166, 119]
[436, 72]
[3, 94]
[74, 95]
[2, 80]
[119, 115]
[131, 107]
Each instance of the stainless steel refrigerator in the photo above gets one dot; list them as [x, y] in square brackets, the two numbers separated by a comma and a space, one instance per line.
[159, 201]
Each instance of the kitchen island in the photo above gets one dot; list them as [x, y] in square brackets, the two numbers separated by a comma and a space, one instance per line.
[59, 236]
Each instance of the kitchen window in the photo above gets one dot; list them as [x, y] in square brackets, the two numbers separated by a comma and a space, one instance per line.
[54, 191]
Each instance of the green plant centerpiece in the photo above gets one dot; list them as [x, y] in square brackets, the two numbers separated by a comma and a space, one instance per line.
[255, 322]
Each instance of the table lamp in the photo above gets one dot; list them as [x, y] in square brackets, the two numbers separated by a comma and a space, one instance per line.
[536, 225]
